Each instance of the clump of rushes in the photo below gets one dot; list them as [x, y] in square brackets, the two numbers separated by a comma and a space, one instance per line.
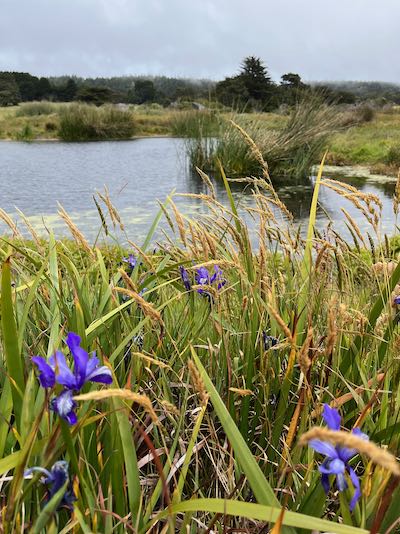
[82, 122]
[56, 371]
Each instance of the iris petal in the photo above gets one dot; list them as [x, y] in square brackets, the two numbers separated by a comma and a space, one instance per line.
[80, 356]
[331, 417]
[341, 482]
[64, 406]
[185, 278]
[47, 377]
[64, 375]
[101, 374]
[323, 447]
[357, 490]
[325, 482]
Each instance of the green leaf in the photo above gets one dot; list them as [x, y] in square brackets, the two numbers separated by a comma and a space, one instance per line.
[46, 514]
[130, 459]
[10, 340]
[259, 484]
[258, 512]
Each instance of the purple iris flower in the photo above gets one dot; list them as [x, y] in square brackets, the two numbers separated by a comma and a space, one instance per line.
[185, 278]
[396, 300]
[269, 341]
[337, 458]
[130, 260]
[55, 480]
[56, 371]
[203, 278]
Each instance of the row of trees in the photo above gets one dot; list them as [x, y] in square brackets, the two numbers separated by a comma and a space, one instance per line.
[18, 87]
[252, 88]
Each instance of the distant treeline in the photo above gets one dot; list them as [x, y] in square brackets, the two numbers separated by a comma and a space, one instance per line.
[16, 87]
[251, 89]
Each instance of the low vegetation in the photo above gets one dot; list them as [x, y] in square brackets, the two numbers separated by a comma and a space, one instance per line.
[291, 150]
[365, 137]
[80, 122]
[228, 379]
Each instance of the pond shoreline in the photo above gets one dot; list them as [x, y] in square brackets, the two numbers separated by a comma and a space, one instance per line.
[354, 171]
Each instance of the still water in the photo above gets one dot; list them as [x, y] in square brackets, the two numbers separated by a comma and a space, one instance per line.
[35, 176]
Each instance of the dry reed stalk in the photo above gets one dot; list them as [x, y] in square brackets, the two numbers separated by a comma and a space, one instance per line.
[166, 215]
[142, 254]
[151, 360]
[128, 280]
[332, 327]
[303, 356]
[168, 407]
[356, 197]
[197, 382]
[114, 215]
[224, 264]
[204, 198]
[180, 223]
[275, 314]
[396, 196]
[321, 256]
[76, 233]
[30, 228]
[204, 244]
[347, 439]
[381, 324]
[208, 182]
[125, 394]
[10, 223]
[354, 225]
[384, 267]
[147, 308]
[241, 392]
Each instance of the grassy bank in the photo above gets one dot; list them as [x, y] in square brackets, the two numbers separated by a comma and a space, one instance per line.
[375, 143]
[218, 377]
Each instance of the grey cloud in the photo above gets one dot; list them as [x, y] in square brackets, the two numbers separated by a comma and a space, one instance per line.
[355, 39]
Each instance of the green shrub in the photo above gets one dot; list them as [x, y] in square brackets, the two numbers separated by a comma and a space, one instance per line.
[194, 124]
[25, 134]
[364, 113]
[50, 126]
[31, 109]
[81, 122]
[393, 156]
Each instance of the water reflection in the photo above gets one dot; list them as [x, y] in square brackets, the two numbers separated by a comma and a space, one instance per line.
[35, 176]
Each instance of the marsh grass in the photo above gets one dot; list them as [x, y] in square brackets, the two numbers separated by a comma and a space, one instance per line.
[218, 447]
[82, 122]
[32, 109]
[291, 150]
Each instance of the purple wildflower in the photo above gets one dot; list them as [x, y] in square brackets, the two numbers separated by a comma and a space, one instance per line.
[396, 300]
[204, 278]
[269, 341]
[130, 260]
[185, 278]
[337, 458]
[56, 371]
[55, 479]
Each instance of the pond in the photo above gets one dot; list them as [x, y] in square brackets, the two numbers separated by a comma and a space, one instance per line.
[35, 176]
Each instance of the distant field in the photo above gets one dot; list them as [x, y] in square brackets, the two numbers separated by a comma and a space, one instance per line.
[375, 143]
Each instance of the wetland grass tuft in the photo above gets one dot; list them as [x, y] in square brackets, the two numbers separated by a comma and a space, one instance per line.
[82, 122]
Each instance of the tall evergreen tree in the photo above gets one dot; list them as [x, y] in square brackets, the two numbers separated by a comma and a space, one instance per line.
[256, 78]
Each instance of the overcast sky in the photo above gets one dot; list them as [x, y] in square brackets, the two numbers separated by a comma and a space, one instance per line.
[319, 39]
